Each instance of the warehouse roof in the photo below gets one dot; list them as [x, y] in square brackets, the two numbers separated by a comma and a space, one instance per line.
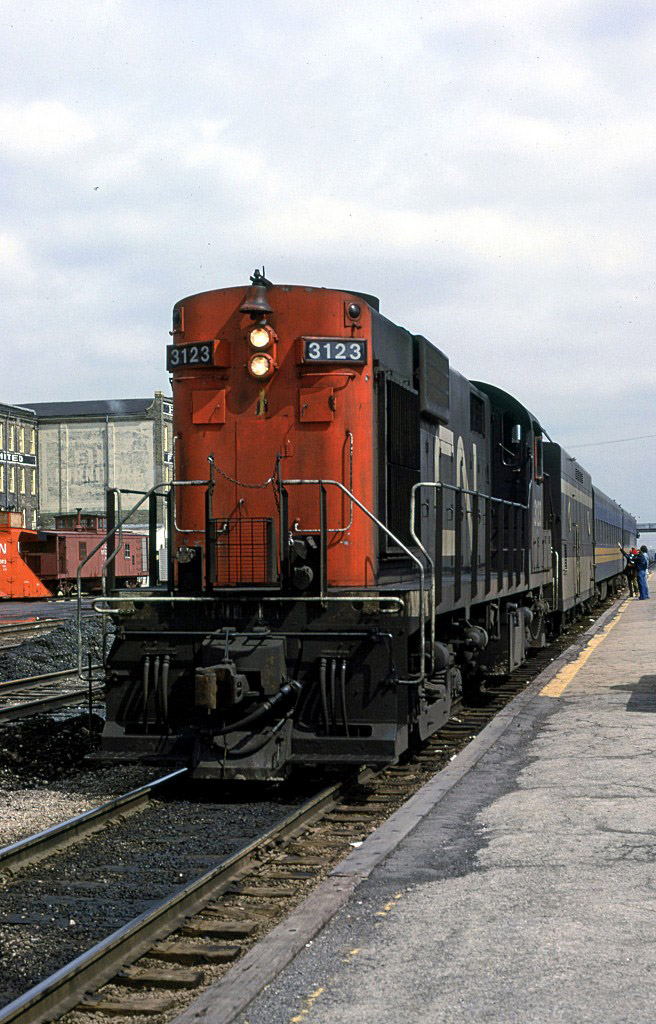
[110, 407]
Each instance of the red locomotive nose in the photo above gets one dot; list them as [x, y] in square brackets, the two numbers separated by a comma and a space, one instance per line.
[291, 403]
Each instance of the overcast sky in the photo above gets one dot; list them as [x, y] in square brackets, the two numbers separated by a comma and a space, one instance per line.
[486, 167]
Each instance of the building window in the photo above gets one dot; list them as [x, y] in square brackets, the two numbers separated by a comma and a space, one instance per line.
[12, 479]
[11, 437]
[22, 439]
[22, 481]
[2, 478]
[2, 435]
[166, 439]
[33, 482]
[32, 440]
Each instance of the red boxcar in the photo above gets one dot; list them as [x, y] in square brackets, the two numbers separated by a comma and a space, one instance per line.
[54, 556]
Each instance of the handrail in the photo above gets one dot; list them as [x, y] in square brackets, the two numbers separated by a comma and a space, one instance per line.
[422, 637]
[336, 529]
[110, 533]
[103, 576]
[441, 485]
[111, 558]
[354, 595]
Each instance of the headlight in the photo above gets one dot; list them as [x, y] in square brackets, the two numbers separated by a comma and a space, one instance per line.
[260, 337]
[260, 366]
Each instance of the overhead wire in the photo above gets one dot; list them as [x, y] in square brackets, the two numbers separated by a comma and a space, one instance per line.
[618, 440]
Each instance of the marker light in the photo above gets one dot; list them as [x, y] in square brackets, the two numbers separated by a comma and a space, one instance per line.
[260, 337]
[260, 366]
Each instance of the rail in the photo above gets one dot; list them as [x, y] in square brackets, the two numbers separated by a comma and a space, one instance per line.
[157, 489]
[61, 991]
[336, 529]
[322, 484]
[514, 567]
[42, 844]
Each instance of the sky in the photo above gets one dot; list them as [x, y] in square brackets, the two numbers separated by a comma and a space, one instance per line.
[485, 168]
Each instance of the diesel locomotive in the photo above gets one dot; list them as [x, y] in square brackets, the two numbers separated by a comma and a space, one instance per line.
[357, 535]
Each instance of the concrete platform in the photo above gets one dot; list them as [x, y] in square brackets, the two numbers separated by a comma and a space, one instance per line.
[519, 885]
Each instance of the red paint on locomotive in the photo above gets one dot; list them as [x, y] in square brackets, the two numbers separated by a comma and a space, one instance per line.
[302, 420]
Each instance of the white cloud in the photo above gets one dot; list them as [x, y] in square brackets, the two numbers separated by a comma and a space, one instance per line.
[15, 264]
[42, 129]
[485, 168]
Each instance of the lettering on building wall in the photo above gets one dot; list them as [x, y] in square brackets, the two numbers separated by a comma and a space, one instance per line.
[17, 457]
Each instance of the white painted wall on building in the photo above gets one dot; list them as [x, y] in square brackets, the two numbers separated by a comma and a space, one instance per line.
[79, 460]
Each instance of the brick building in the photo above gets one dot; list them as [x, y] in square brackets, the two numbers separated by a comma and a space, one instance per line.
[19, 466]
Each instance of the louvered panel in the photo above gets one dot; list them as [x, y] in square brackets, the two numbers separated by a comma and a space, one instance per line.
[402, 426]
[403, 456]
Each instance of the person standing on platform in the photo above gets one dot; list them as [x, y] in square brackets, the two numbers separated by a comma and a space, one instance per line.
[630, 570]
[642, 564]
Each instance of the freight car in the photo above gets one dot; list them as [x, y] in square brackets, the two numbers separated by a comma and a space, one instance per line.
[44, 563]
[16, 578]
[358, 533]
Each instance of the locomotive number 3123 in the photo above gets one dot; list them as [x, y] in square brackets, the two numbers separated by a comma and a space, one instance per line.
[334, 350]
[190, 355]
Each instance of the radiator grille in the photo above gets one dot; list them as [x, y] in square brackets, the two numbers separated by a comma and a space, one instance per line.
[402, 456]
[402, 426]
[244, 551]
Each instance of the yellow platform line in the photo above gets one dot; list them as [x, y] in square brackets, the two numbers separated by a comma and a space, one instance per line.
[563, 678]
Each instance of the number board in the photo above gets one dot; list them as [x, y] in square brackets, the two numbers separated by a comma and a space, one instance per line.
[200, 354]
[334, 350]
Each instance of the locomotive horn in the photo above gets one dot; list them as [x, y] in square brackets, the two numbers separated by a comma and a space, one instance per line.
[256, 302]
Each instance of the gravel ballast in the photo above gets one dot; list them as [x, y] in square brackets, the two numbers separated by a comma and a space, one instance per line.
[51, 912]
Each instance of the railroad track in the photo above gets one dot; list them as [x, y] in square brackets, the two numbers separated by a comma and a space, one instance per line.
[14, 633]
[64, 988]
[212, 920]
[56, 838]
[32, 695]
[156, 964]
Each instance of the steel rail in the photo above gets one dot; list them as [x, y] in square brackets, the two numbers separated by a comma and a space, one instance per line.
[13, 635]
[42, 844]
[61, 991]
[14, 626]
[25, 682]
[60, 700]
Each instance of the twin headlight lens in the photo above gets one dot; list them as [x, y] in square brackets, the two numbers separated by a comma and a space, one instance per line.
[260, 337]
[261, 364]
